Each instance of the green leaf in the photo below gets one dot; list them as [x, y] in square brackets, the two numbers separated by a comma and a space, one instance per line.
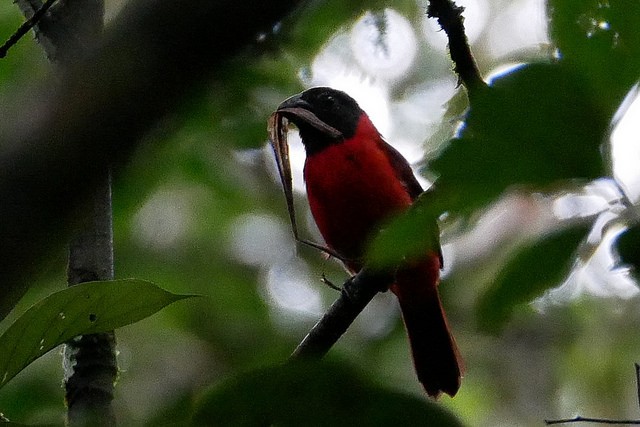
[533, 127]
[601, 40]
[534, 269]
[627, 245]
[409, 235]
[87, 308]
[313, 393]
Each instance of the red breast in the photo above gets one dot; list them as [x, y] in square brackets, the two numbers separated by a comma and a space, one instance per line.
[352, 188]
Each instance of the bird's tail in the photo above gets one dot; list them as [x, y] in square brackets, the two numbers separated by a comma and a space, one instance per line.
[435, 353]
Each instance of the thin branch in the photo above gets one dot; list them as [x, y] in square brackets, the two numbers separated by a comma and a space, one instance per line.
[357, 292]
[450, 19]
[580, 419]
[66, 32]
[25, 27]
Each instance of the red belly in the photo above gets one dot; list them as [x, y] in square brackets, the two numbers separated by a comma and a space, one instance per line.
[352, 188]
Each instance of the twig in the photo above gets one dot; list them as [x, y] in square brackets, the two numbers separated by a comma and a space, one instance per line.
[580, 419]
[450, 19]
[25, 27]
[329, 283]
[357, 292]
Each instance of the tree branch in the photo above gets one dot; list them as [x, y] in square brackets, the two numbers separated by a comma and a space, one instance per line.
[357, 292]
[33, 17]
[450, 19]
[66, 31]
[89, 360]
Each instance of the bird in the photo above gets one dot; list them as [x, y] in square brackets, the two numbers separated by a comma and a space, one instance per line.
[355, 182]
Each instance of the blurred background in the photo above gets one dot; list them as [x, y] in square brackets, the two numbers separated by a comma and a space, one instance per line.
[199, 209]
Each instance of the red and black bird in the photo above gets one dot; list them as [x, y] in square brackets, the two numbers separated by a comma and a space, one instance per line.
[355, 182]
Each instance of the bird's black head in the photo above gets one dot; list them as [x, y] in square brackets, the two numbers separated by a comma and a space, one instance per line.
[324, 116]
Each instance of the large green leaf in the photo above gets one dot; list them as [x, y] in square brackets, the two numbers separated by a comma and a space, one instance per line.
[409, 235]
[86, 308]
[312, 393]
[534, 128]
[601, 40]
[533, 270]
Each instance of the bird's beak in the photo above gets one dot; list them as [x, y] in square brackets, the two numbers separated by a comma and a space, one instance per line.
[294, 101]
[297, 108]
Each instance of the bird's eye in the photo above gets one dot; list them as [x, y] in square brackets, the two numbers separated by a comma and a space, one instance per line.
[327, 100]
